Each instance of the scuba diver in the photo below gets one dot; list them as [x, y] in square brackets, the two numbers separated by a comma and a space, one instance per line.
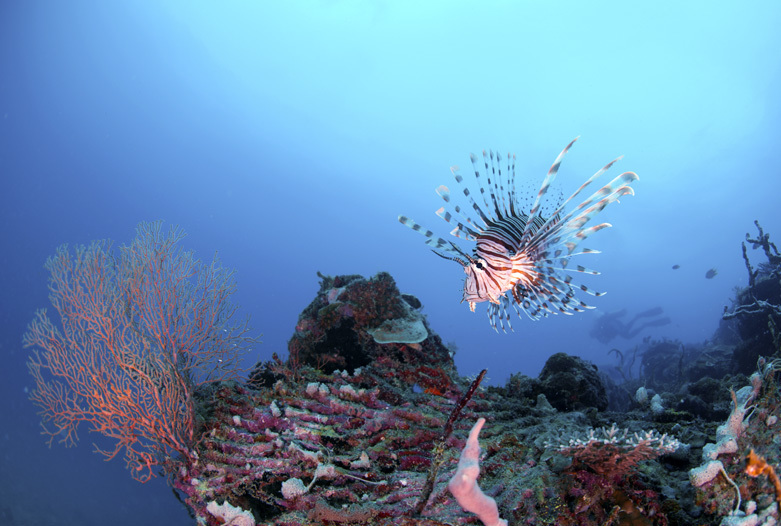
[610, 325]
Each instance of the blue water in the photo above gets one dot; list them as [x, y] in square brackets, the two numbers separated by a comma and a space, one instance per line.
[287, 137]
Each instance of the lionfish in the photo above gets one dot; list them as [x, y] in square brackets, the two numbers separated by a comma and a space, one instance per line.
[520, 258]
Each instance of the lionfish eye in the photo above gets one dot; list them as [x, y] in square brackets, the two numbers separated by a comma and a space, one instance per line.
[479, 265]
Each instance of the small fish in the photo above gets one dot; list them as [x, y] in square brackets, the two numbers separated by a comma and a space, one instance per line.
[711, 273]
[676, 267]
[521, 256]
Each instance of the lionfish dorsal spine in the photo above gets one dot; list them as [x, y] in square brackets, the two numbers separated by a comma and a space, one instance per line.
[499, 196]
[465, 190]
[494, 183]
[511, 195]
[551, 175]
[482, 187]
[454, 216]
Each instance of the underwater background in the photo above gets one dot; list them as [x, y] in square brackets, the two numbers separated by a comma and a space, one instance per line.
[288, 137]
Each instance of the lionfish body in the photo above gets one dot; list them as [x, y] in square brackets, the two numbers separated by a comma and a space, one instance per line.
[520, 258]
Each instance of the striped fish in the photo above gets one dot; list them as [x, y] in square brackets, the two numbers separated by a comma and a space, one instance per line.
[520, 260]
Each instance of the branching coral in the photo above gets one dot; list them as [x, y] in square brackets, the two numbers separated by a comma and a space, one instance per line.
[614, 452]
[602, 485]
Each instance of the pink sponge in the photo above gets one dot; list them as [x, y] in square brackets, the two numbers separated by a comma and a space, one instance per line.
[464, 486]
[231, 515]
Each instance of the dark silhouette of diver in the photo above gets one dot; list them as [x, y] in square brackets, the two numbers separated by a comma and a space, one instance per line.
[609, 325]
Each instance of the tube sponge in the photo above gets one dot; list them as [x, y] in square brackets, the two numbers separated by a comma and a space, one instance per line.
[464, 486]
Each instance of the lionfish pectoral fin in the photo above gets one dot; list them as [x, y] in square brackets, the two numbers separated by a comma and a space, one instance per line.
[555, 217]
[624, 190]
[583, 234]
[585, 270]
[461, 230]
[546, 183]
[455, 216]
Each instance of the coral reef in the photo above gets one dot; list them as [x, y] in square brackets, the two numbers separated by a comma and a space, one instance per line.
[365, 420]
[363, 434]
[569, 383]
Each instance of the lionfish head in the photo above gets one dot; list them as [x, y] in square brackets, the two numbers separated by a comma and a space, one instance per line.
[483, 282]
[475, 287]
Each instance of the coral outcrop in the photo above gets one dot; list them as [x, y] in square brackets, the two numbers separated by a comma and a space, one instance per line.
[345, 430]
[571, 383]
[352, 320]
